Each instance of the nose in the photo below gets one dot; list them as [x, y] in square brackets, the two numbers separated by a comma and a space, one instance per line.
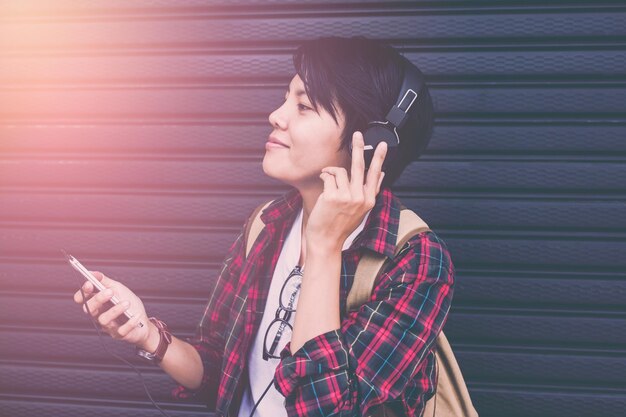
[278, 119]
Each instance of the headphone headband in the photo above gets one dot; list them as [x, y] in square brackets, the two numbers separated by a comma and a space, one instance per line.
[409, 91]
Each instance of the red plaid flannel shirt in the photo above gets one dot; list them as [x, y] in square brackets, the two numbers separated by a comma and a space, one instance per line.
[381, 353]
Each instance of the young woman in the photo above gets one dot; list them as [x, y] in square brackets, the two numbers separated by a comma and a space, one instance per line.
[275, 333]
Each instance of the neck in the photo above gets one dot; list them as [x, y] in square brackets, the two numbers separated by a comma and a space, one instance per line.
[309, 198]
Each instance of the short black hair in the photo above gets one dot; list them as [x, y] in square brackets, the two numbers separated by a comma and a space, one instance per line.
[363, 77]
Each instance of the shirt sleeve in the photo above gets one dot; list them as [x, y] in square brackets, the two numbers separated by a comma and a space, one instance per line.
[209, 335]
[379, 349]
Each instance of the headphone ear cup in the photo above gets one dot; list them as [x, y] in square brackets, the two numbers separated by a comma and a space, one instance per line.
[373, 135]
[379, 132]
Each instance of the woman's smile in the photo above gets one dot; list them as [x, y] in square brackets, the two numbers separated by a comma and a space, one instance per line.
[274, 143]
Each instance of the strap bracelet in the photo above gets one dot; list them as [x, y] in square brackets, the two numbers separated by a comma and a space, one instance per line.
[165, 338]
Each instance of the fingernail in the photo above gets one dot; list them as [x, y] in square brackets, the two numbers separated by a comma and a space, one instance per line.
[108, 291]
[126, 304]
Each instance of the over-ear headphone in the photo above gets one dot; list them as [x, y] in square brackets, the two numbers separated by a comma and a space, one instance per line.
[387, 130]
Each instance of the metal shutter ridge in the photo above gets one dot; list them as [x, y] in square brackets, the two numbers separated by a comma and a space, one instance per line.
[131, 134]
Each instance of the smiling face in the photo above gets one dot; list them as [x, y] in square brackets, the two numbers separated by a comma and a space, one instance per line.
[310, 139]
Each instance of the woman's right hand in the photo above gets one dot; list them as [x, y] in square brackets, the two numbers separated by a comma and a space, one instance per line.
[130, 331]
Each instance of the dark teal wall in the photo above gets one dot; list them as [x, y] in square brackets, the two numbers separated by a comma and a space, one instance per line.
[131, 134]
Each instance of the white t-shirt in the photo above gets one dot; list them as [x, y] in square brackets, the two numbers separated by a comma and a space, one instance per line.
[261, 372]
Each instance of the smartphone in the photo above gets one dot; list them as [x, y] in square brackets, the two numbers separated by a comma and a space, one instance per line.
[97, 284]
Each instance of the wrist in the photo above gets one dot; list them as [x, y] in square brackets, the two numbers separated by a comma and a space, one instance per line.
[323, 244]
[165, 338]
[151, 342]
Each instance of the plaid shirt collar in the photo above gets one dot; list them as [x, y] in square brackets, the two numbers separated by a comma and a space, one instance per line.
[381, 227]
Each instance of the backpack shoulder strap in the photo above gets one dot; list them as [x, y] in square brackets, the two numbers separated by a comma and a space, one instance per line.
[254, 226]
[451, 391]
[370, 264]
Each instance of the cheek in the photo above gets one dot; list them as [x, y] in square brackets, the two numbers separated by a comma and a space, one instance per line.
[332, 155]
[315, 145]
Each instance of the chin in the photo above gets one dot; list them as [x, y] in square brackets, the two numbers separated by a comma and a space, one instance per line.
[267, 167]
[271, 171]
[277, 175]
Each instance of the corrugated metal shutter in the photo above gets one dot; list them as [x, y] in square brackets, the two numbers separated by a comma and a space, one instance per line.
[132, 134]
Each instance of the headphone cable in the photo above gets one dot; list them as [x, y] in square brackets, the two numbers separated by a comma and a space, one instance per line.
[137, 371]
[115, 355]
[263, 395]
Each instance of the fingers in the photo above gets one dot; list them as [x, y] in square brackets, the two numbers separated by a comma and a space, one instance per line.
[330, 185]
[354, 185]
[96, 302]
[380, 182]
[87, 289]
[374, 172]
[106, 281]
[129, 326]
[340, 176]
[357, 169]
[108, 317]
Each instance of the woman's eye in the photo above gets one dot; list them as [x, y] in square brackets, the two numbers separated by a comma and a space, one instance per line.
[303, 107]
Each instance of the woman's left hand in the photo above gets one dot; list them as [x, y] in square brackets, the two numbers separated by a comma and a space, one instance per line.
[345, 201]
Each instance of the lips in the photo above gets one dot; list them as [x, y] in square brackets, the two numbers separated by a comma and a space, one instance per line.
[275, 140]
